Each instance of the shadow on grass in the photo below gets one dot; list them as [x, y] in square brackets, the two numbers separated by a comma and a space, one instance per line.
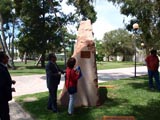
[34, 67]
[142, 83]
[21, 73]
[39, 67]
[27, 67]
[38, 108]
[137, 85]
[115, 102]
[140, 112]
[39, 111]
[149, 112]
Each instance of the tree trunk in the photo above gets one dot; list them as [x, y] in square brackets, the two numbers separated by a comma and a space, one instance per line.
[2, 44]
[124, 58]
[9, 46]
[3, 37]
[43, 60]
[108, 58]
[39, 59]
[43, 53]
[12, 52]
[4, 40]
[25, 58]
[147, 51]
[22, 58]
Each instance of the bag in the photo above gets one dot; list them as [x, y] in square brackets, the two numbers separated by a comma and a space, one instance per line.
[72, 90]
[80, 72]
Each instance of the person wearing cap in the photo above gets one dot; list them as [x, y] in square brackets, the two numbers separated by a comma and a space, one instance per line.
[152, 62]
[53, 75]
[5, 87]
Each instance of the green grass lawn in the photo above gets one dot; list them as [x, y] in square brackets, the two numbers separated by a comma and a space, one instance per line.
[129, 97]
[30, 68]
[113, 65]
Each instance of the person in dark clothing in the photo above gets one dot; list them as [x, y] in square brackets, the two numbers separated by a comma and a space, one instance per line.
[53, 75]
[5, 87]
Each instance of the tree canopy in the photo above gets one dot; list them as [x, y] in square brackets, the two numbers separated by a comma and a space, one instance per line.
[147, 15]
[118, 42]
[84, 8]
[42, 23]
[7, 25]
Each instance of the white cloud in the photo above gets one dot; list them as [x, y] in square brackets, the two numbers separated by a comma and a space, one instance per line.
[106, 14]
[67, 8]
[108, 17]
[100, 27]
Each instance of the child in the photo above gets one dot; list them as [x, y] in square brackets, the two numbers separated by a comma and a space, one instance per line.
[71, 83]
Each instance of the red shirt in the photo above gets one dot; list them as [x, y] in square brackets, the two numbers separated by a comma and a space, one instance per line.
[152, 62]
[71, 78]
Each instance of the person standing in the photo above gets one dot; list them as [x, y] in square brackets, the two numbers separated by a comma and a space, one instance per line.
[71, 83]
[152, 62]
[53, 74]
[5, 87]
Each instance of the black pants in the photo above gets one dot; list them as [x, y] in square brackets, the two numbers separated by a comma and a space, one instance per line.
[4, 110]
[52, 101]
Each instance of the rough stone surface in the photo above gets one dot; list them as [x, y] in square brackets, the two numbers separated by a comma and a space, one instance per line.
[84, 53]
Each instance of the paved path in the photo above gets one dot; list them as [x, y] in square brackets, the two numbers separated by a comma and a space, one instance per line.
[17, 112]
[37, 83]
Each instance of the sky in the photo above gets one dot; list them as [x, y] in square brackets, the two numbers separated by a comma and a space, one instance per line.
[108, 17]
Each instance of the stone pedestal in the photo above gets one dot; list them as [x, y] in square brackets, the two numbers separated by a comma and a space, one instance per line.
[84, 53]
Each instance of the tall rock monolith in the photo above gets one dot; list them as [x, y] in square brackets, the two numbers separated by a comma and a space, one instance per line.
[84, 53]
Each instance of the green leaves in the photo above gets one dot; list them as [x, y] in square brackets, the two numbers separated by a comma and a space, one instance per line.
[42, 22]
[84, 8]
[118, 42]
[5, 10]
[147, 13]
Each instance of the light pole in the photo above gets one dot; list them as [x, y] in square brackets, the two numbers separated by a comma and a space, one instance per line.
[143, 52]
[135, 32]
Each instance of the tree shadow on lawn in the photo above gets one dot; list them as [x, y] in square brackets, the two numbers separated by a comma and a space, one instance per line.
[141, 83]
[39, 67]
[117, 107]
[110, 102]
[39, 111]
[34, 67]
[149, 112]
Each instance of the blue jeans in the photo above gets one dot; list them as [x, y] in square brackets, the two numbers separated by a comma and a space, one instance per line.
[71, 103]
[154, 74]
